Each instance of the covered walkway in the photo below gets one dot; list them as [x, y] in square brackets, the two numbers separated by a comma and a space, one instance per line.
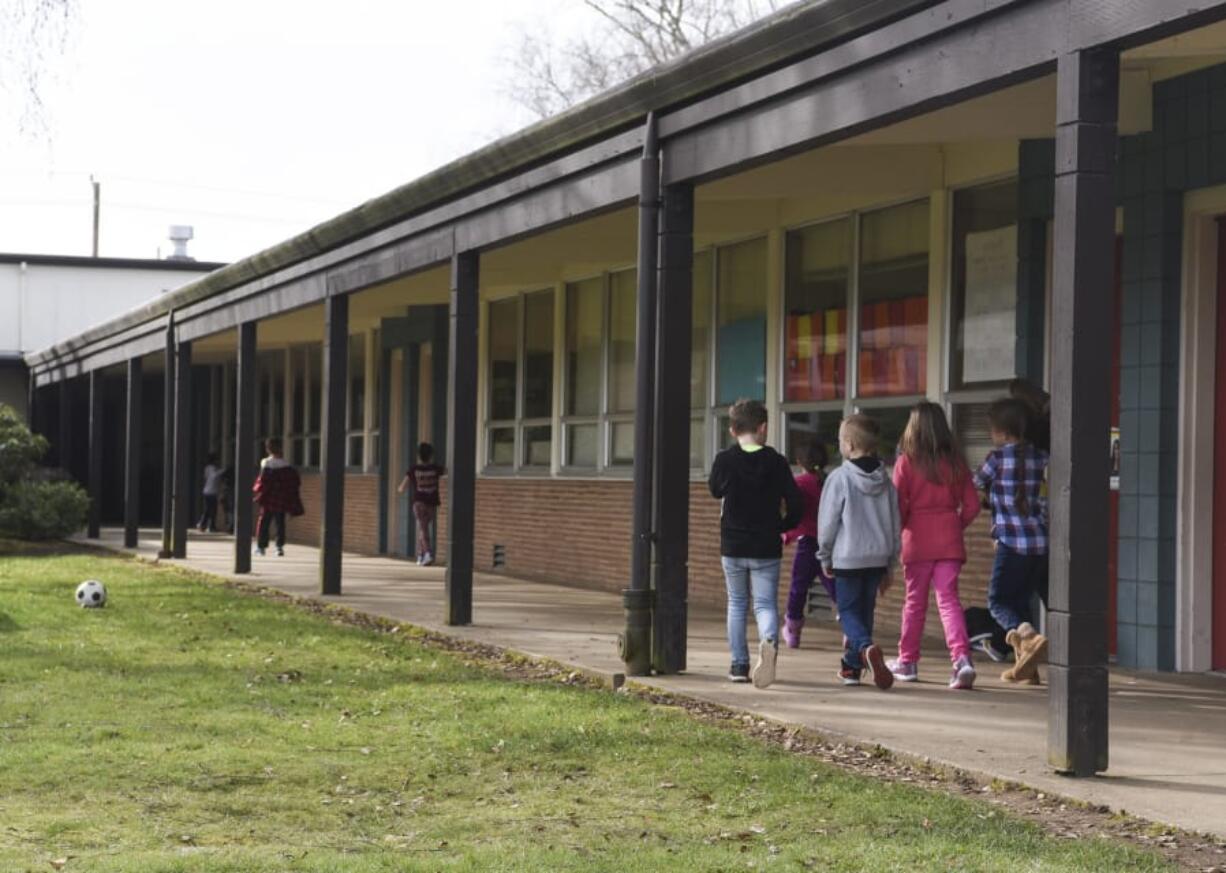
[1168, 732]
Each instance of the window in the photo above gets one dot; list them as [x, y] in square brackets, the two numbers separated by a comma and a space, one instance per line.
[376, 401]
[305, 399]
[270, 397]
[740, 342]
[520, 404]
[598, 410]
[983, 282]
[355, 428]
[700, 356]
[873, 265]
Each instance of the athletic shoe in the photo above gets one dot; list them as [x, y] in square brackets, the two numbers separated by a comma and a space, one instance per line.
[259, 552]
[421, 560]
[427, 559]
[903, 672]
[983, 644]
[280, 552]
[963, 675]
[848, 675]
[882, 677]
[791, 632]
[764, 670]
[738, 673]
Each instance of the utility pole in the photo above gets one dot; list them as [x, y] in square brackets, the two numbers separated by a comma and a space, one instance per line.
[97, 199]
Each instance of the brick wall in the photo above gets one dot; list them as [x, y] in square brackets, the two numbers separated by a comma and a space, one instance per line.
[361, 513]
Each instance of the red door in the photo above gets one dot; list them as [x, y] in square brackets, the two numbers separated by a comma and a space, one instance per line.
[1219, 464]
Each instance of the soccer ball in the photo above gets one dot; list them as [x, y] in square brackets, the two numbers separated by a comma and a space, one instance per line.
[91, 594]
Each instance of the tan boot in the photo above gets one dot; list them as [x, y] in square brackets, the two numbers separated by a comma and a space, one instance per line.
[1030, 651]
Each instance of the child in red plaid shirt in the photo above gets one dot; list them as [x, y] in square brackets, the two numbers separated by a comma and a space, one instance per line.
[1014, 476]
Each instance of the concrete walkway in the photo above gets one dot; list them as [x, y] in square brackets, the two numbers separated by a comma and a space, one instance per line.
[1168, 733]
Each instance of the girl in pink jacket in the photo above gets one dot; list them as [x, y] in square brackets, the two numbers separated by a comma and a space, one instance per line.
[936, 501]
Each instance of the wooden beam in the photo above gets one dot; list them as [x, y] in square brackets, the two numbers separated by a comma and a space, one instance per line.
[93, 527]
[168, 441]
[461, 437]
[670, 574]
[184, 500]
[132, 454]
[332, 463]
[1087, 100]
[244, 445]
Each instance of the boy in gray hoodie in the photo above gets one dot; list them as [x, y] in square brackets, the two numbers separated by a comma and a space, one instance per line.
[858, 543]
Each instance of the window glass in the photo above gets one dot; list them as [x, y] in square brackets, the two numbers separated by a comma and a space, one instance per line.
[741, 322]
[503, 321]
[298, 377]
[697, 455]
[584, 318]
[891, 422]
[538, 355]
[581, 443]
[502, 446]
[970, 425]
[804, 428]
[357, 383]
[894, 301]
[356, 443]
[700, 348]
[314, 398]
[538, 441]
[815, 301]
[984, 285]
[622, 293]
[622, 453]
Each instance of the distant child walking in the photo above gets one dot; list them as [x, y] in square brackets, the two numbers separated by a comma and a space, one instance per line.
[1013, 475]
[211, 491]
[278, 493]
[422, 482]
[805, 567]
[936, 501]
[858, 544]
[754, 482]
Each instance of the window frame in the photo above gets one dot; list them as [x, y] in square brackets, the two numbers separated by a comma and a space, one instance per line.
[299, 366]
[519, 423]
[852, 401]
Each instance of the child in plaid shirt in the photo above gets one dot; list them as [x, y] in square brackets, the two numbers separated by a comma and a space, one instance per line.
[1013, 477]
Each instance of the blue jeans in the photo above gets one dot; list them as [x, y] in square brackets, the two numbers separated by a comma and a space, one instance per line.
[757, 578]
[1016, 578]
[856, 597]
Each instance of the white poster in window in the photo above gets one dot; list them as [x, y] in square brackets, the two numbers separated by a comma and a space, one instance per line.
[990, 319]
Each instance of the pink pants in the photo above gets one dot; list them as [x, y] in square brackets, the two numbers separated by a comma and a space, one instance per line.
[943, 576]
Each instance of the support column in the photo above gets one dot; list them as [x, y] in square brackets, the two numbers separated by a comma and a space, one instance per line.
[670, 573]
[635, 643]
[1087, 99]
[461, 436]
[332, 464]
[132, 455]
[244, 446]
[168, 442]
[184, 501]
[93, 526]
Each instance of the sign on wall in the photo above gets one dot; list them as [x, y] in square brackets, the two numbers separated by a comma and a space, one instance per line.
[989, 326]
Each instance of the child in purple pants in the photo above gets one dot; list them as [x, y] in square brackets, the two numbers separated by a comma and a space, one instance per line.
[805, 566]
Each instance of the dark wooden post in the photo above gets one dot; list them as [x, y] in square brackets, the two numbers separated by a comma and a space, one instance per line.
[332, 473]
[94, 523]
[168, 442]
[670, 573]
[244, 445]
[635, 642]
[132, 455]
[63, 445]
[1087, 98]
[461, 437]
[184, 501]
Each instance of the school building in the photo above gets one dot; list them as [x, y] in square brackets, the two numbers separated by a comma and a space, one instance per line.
[850, 205]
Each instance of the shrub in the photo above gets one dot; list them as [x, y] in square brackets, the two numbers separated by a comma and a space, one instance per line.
[43, 510]
[34, 505]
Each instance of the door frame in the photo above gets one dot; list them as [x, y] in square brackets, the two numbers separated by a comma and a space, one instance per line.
[1197, 413]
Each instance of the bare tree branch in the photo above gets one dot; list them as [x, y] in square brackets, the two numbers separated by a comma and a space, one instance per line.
[628, 38]
[32, 33]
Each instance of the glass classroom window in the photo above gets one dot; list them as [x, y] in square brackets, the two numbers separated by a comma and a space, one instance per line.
[599, 388]
[983, 286]
[305, 399]
[520, 404]
[355, 428]
[270, 397]
[855, 322]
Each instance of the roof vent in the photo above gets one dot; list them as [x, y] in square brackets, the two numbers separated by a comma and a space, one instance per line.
[180, 234]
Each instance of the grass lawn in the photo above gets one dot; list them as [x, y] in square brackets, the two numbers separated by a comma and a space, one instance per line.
[187, 727]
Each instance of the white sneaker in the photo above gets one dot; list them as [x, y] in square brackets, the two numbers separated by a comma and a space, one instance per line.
[259, 551]
[421, 560]
[963, 675]
[427, 560]
[280, 552]
[764, 670]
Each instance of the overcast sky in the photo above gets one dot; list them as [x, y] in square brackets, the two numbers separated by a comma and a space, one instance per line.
[254, 119]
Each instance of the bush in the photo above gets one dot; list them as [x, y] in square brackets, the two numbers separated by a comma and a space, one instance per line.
[34, 510]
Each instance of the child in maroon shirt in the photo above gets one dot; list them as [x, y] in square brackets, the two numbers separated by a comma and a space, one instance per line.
[805, 566]
[422, 481]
